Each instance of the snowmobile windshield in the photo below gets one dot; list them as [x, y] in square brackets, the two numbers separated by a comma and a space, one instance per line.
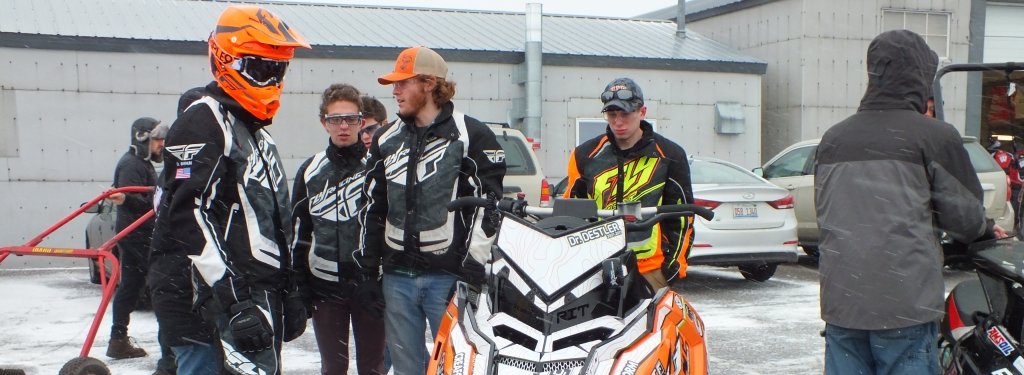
[1005, 257]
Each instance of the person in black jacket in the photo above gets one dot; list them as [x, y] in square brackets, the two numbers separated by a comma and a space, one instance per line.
[887, 180]
[225, 199]
[327, 197]
[169, 279]
[134, 169]
[430, 156]
[652, 170]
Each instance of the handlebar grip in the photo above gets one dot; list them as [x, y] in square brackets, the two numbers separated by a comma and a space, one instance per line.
[464, 202]
[701, 211]
[671, 212]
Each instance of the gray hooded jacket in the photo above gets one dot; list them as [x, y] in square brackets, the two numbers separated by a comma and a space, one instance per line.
[887, 180]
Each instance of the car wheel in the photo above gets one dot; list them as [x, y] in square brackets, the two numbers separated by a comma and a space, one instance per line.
[810, 250]
[758, 272]
[956, 257]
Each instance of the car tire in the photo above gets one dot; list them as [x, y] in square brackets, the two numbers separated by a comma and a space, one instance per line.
[758, 272]
[810, 250]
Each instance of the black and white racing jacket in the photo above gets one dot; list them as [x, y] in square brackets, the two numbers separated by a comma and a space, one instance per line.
[328, 196]
[224, 197]
[410, 180]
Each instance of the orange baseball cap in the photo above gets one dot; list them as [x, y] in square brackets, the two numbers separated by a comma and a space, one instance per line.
[415, 61]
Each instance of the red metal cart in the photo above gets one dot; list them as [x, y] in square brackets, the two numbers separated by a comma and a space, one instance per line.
[84, 364]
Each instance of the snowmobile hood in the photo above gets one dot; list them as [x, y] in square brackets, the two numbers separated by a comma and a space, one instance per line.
[565, 257]
[900, 71]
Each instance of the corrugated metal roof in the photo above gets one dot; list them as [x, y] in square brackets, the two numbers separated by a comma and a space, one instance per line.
[368, 26]
[697, 9]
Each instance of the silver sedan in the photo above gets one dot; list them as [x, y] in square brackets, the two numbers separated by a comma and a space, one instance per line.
[754, 225]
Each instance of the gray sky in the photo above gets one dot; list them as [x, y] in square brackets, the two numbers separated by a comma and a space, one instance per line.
[604, 8]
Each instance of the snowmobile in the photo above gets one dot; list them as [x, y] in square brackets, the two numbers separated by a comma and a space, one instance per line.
[981, 331]
[563, 296]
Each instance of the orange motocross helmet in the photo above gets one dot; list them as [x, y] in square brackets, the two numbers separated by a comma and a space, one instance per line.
[249, 54]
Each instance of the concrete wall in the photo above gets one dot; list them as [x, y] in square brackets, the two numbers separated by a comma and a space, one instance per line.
[772, 33]
[682, 103]
[65, 115]
[815, 51]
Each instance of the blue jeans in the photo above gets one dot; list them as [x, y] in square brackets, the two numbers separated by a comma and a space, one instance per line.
[411, 303]
[909, 350]
[198, 359]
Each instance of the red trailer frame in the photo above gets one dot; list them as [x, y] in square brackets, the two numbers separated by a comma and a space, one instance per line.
[101, 254]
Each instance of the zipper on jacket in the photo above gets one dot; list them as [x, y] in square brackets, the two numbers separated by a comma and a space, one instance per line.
[411, 237]
[231, 216]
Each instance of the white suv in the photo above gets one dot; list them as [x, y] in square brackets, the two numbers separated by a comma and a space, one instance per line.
[793, 169]
[523, 173]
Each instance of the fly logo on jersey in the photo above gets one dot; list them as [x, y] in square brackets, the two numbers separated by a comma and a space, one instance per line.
[339, 201]
[637, 176]
[185, 152]
[397, 164]
[256, 171]
[495, 156]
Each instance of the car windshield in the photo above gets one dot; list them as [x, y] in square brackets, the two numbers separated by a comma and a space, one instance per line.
[517, 161]
[980, 159]
[709, 172]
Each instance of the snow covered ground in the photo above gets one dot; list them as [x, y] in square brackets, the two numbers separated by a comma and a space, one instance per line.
[752, 328]
[45, 317]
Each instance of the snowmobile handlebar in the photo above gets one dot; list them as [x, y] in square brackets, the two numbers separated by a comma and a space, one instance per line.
[659, 213]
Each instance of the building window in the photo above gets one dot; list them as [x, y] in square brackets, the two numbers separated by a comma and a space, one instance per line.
[934, 27]
[589, 128]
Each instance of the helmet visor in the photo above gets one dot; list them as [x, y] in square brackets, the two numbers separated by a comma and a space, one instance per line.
[259, 71]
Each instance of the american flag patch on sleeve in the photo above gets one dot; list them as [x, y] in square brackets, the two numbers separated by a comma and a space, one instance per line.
[183, 173]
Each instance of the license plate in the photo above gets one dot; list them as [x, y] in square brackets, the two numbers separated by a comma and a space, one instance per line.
[744, 212]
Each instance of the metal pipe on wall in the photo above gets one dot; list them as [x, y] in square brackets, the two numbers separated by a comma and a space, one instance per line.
[534, 52]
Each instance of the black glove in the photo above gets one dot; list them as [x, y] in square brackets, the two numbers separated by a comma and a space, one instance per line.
[473, 273]
[368, 295]
[296, 313]
[493, 216]
[250, 328]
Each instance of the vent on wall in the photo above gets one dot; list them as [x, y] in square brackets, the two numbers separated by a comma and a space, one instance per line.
[729, 118]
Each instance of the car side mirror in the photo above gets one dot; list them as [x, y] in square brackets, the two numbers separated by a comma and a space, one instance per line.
[758, 171]
[102, 207]
[95, 209]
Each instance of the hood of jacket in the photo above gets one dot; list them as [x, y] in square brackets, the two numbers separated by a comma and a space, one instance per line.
[443, 125]
[142, 131]
[900, 72]
[346, 157]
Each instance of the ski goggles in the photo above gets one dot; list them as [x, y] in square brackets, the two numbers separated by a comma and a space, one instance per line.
[623, 94]
[260, 71]
[350, 119]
